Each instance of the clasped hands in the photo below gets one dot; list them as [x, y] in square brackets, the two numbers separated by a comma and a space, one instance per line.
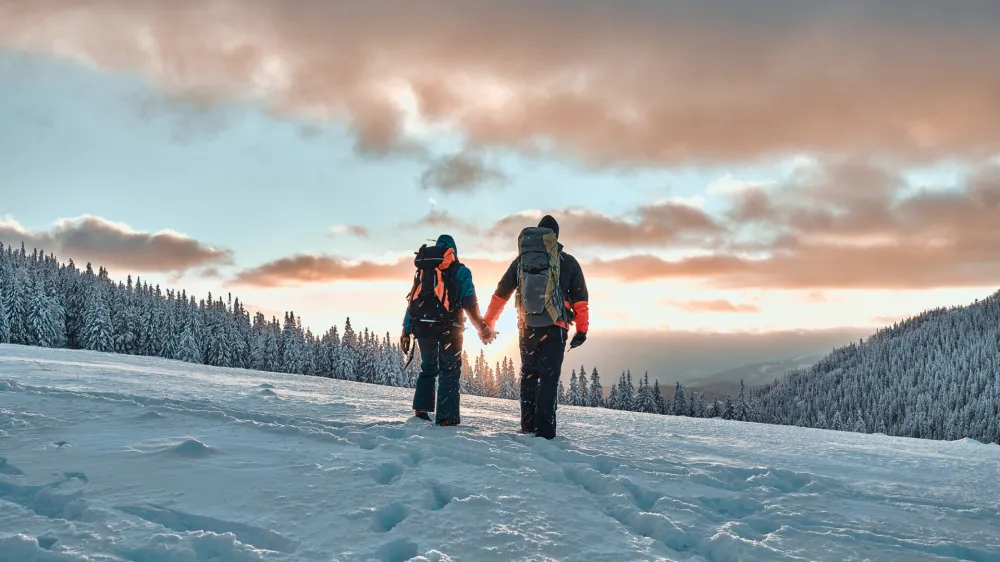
[487, 334]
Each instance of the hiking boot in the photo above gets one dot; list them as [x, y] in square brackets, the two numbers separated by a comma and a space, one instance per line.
[448, 423]
[422, 415]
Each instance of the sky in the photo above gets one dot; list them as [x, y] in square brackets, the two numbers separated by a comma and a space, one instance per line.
[742, 180]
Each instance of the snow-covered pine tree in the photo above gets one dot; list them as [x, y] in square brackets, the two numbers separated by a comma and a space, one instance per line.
[98, 335]
[348, 353]
[628, 396]
[584, 388]
[188, 349]
[701, 409]
[661, 407]
[465, 383]
[4, 322]
[742, 408]
[729, 413]
[596, 390]
[573, 399]
[717, 409]
[680, 401]
[646, 399]
[18, 308]
[43, 330]
[561, 396]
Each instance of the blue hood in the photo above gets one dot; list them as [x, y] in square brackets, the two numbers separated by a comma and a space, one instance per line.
[446, 241]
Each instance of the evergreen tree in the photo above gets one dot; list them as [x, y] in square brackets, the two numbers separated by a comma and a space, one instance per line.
[742, 409]
[730, 411]
[701, 409]
[18, 309]
[584, 388]
[658, 398]
[574, 391]
[716, 410]
[596, 390]
[98, 334]
[43, 329]
[188, 349]
[646, 399]
[561, 397]
[4, 322]
[680, 402]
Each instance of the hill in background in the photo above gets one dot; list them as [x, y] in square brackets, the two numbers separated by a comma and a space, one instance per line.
[932, 376]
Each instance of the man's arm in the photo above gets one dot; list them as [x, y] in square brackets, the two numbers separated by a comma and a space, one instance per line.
[578, 295]
[505, 288]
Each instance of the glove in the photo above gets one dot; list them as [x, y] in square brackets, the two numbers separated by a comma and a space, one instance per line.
[404, 343]
[487, 334]
[578, 339]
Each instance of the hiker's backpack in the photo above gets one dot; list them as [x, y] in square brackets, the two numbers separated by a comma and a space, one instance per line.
[433, 299]
[539, 291]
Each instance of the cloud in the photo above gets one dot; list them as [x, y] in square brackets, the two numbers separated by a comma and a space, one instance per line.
[655, 225]
[305, 269]
[612, 82]
[841, 224]
[442, 220]
[112, 244]
[460, 173]
[353, 230]
[720, 305]
[845, 224]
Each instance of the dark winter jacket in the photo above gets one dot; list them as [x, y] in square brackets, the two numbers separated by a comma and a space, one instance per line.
[571, 280]
[466, 289]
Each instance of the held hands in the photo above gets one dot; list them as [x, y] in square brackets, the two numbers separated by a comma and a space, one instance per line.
[578, 340]
[487, 334]
[404, 343]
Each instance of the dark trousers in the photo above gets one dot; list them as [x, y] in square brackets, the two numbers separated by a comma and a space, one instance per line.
[441, 362]
[542, 351]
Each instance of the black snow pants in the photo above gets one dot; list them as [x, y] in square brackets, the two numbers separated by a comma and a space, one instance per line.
[542, 351]
[441, 362]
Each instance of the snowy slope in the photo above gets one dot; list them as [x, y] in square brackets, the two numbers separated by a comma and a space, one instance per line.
[167, 461]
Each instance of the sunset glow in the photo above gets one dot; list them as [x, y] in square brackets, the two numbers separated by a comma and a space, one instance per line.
[713, 171]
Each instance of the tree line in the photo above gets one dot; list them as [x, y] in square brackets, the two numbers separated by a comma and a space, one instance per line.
[934, 376]
[46, 303]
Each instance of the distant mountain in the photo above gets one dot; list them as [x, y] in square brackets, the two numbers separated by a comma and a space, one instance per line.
[753, 375]
[932, 376]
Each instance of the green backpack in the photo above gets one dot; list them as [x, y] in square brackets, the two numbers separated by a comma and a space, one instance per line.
[540, 296]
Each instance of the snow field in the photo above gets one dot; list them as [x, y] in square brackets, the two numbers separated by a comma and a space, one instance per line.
[107, 457]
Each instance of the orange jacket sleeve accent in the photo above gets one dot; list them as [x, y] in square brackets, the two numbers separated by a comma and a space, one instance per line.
[582, 319]
[494, 310]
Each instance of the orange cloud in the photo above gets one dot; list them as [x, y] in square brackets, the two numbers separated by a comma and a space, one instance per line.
[658, 225]
[114, 244]
[720, 305]
[612, 83]
[304, 268]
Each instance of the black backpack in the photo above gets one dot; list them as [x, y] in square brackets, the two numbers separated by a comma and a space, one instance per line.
[434, 300]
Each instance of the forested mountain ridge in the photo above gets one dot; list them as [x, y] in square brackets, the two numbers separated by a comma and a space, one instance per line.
[933, 376]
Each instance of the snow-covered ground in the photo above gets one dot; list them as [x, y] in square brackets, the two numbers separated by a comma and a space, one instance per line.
[121, 458]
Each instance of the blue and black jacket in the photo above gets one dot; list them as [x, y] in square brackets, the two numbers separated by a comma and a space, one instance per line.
[466, 291]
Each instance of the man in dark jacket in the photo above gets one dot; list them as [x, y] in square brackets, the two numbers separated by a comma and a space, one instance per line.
[542, 349]
[441, 357]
